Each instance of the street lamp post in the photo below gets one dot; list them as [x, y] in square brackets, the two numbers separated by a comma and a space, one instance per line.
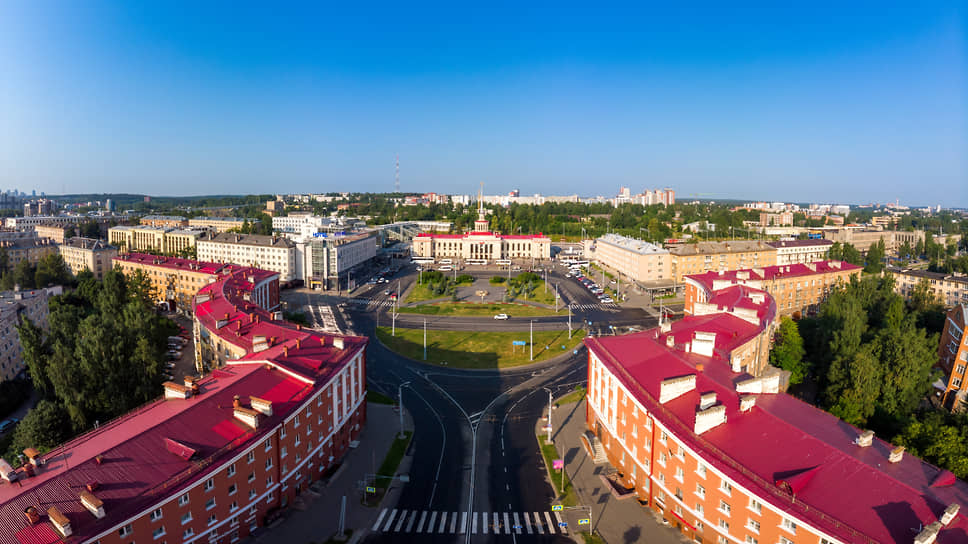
[531, 343]
[549, 413]
[400, 405]
[425, 339]
[556, 298]
[569, 321]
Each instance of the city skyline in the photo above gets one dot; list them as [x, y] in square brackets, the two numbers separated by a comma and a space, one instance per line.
[763, 103]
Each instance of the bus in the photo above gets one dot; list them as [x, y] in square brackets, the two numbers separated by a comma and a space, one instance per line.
[503, 262]
[445, 261]
[475, 261]
[422, 260]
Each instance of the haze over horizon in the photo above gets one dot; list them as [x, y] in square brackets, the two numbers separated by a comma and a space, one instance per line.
[848, 104]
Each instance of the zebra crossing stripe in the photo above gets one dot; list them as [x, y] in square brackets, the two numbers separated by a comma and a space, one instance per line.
[413, 518]
[507, 524]
[483, 522]
[443, 522]
[430, 524]
[390, 520]
[422, 518]
[517, 524]
[463, 522]
[527, 522]
[473, 523]
[497, 525]
[537, 523]
[403, 517]
[379, 520]
[453, 522]
[564, 530]
[551, 526]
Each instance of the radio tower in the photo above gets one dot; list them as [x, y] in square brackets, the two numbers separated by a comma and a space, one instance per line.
[396, 182]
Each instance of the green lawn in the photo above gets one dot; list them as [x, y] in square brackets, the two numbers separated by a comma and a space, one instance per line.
[574, 396]
[421, 292]
[589, 538]
[477, 309]
[480, 350]
[549, 453]
[378, 398]
[392, 460]
[538, 294]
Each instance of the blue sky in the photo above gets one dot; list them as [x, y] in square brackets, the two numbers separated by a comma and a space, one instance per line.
[815, 102]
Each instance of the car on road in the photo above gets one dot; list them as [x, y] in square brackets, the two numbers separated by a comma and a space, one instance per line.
[607, 300]
[386, 293]
[8, 424]
[501, 316]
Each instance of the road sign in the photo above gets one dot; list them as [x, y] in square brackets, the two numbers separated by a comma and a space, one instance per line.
[370, 489]
[563, 524]
[556, 508]
[585, 521]
[558, 464]
[519, 343]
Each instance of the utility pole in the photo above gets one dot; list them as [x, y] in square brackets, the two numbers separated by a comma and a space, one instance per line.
[531, 343]
[549, 415]
[393, 318]
[400, 400]
[425, 339]
[556, 298]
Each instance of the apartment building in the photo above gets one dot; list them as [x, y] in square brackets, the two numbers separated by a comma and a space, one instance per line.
[862, 238]
[88, 254]
[57, 233]
[638, 260]
[800, 251]
[148, 238]
[170, 221]
[173, 279]
[29, 249]
[220, 224]
[214, 458]
[269, 252]
[953, 358]
[30, 222]
[782, 219]
[949, 289]
[798, 289]
[727, 457]
[705, 256]
[15, 305]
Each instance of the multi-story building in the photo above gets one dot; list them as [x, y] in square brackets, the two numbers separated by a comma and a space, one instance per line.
[705, 256]
[636, 259]
[953, 358]
[15, 305]
[30, 249]
[88, 254]
[798, 289]
[782, 219]
[57, 233]
[213, 458]
[42, 206]
[274, 253]
[800, 251]
[22, 223]
[174, 280]
[220, 224]
[726, 457]
[324, 260]
[948, 289]
[173, 221]
[482, 246]
[148, 238]
[862, 238]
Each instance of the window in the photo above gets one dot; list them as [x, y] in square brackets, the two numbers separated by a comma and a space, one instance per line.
[296, 422]
[188, 533]
[231, 471]
[210, 503]
[680, 474]
[250, 457]
[961, 369]
[753, 525]
[251, 494]
[268, 444]
[722, 540]
[186, 517]
[663, 437]
[701, 491]
[282, 432]
[268, 463]
[789, 525]
[156, 515]
[724, 507]
[124, 531]
[784, 540]
[159, 532]
[662, 459]
[251, 477]
[269, 481]
[234, 506]
[751, 540]
[755, 506]
[209, 484]
[699, 509]
[183, 500]
[701, 470]
[956, 382]
[232, 489]
[283, 453]
[726, 488]
[678, 493]
[723, 524]
[212, 519]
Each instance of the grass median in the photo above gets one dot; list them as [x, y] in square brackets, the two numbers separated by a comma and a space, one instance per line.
[476, 309]
[574, 396]
[476, 349]
[392, 460]
[559, 479]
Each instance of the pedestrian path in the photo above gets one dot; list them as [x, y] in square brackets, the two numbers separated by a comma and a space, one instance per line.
[597, 306]
[459, 523]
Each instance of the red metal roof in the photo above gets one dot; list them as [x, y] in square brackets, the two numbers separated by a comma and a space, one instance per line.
[174, 263]
[769, 273]
[852, 493]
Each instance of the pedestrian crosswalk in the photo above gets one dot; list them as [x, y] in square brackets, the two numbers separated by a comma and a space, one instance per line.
[459, 523]
[371, 302]
[597, 306]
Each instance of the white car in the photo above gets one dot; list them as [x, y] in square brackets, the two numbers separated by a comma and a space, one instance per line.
[607, 300]
[501, 316]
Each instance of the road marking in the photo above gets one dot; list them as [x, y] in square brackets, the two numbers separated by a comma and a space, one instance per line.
[422, 518]
[537, 523]
[517, 524]
[507, 523]
[551, 526]
[497, 525]
[527, 522]
[453, 522]
[413, 518]
[376, 526]
[403, 517]
[473, 523]
[390, 520]
[430, 524]
[563, 530]
[507, 487]
[443, 522]
[463, 522]
[483, 522]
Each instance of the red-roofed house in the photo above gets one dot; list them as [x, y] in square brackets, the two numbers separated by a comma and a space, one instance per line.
[726, 457]
[214, 458]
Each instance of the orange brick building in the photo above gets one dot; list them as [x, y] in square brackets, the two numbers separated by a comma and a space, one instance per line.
[953, 358]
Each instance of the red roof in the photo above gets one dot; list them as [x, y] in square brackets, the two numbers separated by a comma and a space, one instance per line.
[467, 235]
[175, 263]
[755, 276]
[851, 492]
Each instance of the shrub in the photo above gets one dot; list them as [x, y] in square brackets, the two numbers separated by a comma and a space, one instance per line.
[497, 280]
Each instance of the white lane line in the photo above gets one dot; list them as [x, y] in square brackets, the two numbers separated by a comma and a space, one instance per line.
[390, 520]
[527, 522]
[430, 524]
[403, 517]
[376, 526]
[551, 526]
[453, 523]
[507, 524]
[443, 522]
[413, 518]
[422, 518]
[463, 522]
[537, 523]
[517, 524]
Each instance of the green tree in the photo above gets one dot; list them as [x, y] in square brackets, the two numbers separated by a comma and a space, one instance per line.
[35, 353]
[856, 400]
[52, 270]
[875, 258]
[23, 274]
[938, 439]
[788, 352]
[851, 255]
[43, 428]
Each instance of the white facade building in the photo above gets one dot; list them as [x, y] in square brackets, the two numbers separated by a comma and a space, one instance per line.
[260, 251]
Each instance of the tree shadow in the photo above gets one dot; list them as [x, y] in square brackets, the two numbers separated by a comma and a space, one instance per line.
[632, 534]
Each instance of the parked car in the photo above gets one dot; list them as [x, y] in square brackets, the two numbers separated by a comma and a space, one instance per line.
[501, 316]
[8, 424]
[608, 300]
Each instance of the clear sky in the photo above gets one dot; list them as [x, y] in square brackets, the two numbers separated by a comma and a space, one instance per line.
[823, 102]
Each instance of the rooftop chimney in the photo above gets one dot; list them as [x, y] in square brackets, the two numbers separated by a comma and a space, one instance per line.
[34, 456]
[706, 400]
[676, 387]
[338, 342]
[865, 439]
[247, 416]
[261, 405]
[746, 403]
[949, 513]
[32, 515]
[929, 534]
[896, 454]
[7, 472]
[59, 521]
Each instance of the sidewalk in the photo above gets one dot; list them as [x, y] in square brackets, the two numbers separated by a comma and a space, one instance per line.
[616, 521]
[315, 518]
